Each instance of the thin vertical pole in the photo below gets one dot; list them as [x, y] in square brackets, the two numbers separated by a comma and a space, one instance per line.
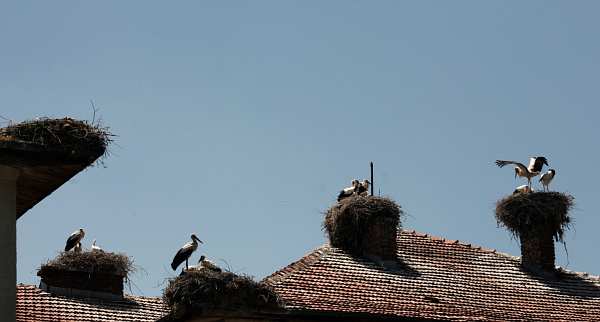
[372, 183]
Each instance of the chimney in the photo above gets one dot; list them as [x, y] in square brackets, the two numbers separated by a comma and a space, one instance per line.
[365, 226]
[537, 219]
[93, 274]
[537, 250]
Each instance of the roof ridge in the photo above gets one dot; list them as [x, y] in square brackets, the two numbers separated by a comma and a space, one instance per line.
[45, 293]
[453, 241]
[305, 261]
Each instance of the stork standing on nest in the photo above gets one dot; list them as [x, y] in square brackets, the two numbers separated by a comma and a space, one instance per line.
[74, 240]
[185, 252]
[535, 167]
[349, 191]
[546, 178]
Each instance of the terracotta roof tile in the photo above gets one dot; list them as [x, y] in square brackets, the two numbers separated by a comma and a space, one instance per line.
[438, 279]
[36, 305]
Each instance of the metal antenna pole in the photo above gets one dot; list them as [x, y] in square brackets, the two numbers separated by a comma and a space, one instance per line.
[372, 183]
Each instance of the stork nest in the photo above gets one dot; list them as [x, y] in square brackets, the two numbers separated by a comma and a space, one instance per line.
[92, 261]
[536, 213]
[347, 222]
[204, 290]
[66, 134]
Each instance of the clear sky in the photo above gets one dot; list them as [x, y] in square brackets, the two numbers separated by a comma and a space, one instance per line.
[240, 121]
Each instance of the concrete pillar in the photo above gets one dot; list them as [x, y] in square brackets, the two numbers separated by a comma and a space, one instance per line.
[8, 242]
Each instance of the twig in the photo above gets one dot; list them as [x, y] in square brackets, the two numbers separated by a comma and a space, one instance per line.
[94, 112]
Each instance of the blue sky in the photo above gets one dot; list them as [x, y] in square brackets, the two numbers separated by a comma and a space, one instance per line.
[240, 121]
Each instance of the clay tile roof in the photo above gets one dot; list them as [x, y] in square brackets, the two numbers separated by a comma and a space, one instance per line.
[36, 305]
[437, 279]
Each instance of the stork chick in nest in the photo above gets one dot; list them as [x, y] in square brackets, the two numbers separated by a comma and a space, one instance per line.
[363, 189]
[349, 191]
[96, 248]
[522, 189]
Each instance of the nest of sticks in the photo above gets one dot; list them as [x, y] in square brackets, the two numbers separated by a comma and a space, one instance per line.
[92, 261]
[347, 221]
[205, 290]
[66, 134]
[536, 213]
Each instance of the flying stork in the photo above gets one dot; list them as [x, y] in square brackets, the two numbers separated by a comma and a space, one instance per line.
[363, 189]
[74, 239]
[534, 168]
[349, 191]
[185, 252]
[546, 178]
[96, 248]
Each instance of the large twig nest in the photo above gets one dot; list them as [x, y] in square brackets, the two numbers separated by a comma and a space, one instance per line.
[531, 214]
[66, 134]
[93, 262]
[347, 222]
[204, 290]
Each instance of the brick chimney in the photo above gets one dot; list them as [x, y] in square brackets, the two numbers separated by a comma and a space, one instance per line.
[380, 240]
[95, 274]
[83, 284]
[537, 219]
[365, 227]
[537, 250]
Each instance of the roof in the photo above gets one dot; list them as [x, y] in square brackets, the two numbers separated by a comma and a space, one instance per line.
[43, 166]
[33, 304]
[436, 279]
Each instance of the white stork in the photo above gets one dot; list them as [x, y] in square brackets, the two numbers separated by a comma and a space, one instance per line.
[185, 252]
[96, 248]
[74, 239]
[546, 178]
[349, 191]
[204, 263]
[363, 189]
[77, 248]
[522, 189]
[534, 168]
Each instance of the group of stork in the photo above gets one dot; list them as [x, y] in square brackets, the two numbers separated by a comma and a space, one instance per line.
[183, 254]
[529, 172]
[357, 188]
[74, 242]
[534, 169]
